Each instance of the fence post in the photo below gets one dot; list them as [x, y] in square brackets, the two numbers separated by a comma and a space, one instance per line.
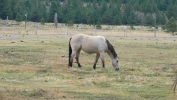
[6, 23]
[125, 31]
[26, 15]
[95, 31]
[56, 20]
[154, 32]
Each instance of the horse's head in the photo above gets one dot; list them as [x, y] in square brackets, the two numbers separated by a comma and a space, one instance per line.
[115, 63]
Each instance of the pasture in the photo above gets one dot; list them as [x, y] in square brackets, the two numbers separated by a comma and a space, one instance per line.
[35, 66]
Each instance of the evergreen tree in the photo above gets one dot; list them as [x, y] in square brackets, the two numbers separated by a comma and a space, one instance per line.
[5, 9]
[108, 17]
[18, 18]
[35, 13]
[160, 19]
[115, 12]
[171, 11]
[42, 21]
[117, 20]
[98, 25]
[149, 20]
[52, 11]
[171, 26]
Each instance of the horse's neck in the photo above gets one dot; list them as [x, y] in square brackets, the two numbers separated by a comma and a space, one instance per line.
[110, 54]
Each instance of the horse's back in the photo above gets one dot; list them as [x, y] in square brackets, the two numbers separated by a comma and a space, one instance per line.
[89, 44]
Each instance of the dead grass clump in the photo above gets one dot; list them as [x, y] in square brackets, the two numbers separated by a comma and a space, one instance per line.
[174, 84]
[1, 96]
[35, 93]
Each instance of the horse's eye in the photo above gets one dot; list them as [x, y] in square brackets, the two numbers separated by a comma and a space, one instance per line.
[117, 61]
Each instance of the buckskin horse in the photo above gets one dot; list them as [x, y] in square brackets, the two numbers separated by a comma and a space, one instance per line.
[91, 44]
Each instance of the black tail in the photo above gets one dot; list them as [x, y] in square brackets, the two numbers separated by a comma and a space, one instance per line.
[70, 52]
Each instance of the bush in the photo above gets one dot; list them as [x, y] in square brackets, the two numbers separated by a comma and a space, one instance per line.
[18, 18]
[69, 23]
[132, 28]
[42, 21]
[98, 25]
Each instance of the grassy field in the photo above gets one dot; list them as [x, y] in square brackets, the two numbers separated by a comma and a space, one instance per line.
[36, 67]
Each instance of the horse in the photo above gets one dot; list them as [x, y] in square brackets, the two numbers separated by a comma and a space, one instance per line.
[91, 44]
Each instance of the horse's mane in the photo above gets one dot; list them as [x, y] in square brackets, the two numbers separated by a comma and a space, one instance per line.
[111, 49]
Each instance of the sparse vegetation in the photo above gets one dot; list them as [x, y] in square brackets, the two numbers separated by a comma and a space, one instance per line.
[69, 23]
[174, 84]
[23, 34]
[98, 25]
[42, 21]
[19, 32]
[35, 67]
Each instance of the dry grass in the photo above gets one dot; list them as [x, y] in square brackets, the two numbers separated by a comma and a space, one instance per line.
[107, 30]
[35, 66]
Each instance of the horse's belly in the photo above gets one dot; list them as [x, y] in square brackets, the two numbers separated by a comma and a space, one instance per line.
[93, 45]
[90, 50]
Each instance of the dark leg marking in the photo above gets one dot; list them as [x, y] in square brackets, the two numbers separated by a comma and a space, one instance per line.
[96, 60]
[94, 66]
[103, 64]
[77, 59]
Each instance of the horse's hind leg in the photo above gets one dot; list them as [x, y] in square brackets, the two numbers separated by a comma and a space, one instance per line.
[71, 58]
[77, 58]
[96, 60]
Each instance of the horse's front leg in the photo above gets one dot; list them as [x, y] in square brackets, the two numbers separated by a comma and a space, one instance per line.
[102, 59]
[96, 60]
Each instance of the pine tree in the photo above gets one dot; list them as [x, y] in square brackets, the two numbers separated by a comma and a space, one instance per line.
[160, 19]
[149, 20]
[171, 11]
[42, 21]
[5, 9]
[117, 20]
[98, 25]
[171, 26]
[18, 18]
[52, 11]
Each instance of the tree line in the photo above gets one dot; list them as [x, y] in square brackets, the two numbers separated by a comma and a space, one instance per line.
[111, 12]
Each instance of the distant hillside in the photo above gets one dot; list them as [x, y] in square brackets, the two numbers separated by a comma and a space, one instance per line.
[114, 12]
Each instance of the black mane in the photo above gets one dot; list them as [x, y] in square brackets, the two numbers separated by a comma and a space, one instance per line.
[111, 49]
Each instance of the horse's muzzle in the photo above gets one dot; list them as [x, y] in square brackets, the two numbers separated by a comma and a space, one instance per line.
[117, 69]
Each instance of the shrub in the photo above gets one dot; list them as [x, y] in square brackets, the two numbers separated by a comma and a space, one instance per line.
[42, 21]
[98, 25]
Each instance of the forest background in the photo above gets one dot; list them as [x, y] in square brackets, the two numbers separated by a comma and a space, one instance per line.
[108, 12]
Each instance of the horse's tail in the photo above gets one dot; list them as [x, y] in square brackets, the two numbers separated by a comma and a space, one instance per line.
[70, 52]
